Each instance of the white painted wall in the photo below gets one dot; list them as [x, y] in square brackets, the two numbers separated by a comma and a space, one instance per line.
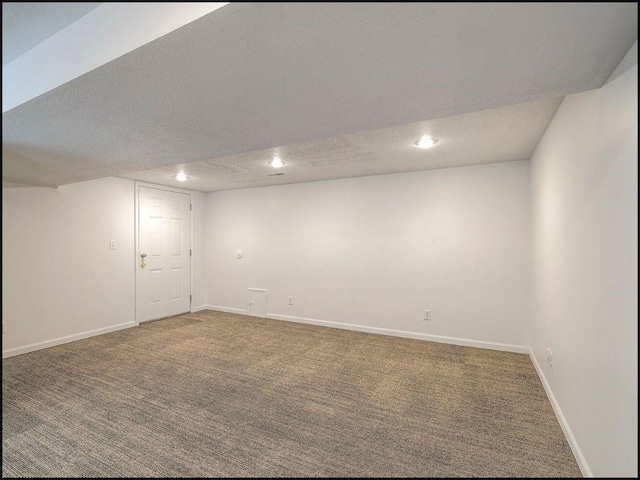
[199, 252]
[376, 251]
[59, 278]
[585, 275]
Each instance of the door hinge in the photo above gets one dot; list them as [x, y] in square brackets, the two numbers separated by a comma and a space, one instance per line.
[190, 254]
[190, 207]
[190, 299]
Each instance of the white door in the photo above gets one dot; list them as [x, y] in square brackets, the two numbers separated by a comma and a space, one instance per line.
[257, 302]
[163, 280]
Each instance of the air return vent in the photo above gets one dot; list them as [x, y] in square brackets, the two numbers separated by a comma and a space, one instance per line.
[275, 174]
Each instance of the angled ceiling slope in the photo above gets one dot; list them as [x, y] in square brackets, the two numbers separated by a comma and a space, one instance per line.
[102, 35]
[26, 24]
[256, 76]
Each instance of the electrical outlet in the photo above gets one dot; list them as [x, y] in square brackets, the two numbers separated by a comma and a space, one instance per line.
[550, 358]
[290, 300]
[427, 315]
[112, 244]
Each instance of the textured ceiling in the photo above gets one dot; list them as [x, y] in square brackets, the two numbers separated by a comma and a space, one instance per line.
[497, 135]
[255, 76]
[26, 24]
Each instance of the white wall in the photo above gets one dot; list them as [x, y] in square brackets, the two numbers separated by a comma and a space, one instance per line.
[59, 278]
[199, 288]
[377, 251]
[585, 275]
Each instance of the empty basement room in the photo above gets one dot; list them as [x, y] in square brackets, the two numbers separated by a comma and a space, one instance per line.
[319, 240]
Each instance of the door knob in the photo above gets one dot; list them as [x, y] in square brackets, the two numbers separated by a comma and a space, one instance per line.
[143, 256]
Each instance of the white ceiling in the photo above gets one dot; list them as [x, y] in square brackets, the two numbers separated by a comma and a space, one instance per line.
[27, 24]
[251, 77]
[497, 135]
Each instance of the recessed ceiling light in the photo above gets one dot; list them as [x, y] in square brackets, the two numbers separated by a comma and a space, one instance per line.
[277, 162]
[426, 142]
[181, 177]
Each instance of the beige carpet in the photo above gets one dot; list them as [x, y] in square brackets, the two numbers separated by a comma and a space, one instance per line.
[213, 394]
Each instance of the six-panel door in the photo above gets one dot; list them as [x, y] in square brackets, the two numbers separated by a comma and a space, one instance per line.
[164, 265]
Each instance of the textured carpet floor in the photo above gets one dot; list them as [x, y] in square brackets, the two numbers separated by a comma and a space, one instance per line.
[213, 394]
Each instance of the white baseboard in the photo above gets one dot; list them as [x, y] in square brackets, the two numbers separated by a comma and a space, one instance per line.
[218, 308]
[575, 448]
[401, 333]
[386, 331]
[200, 308]
[12, 352]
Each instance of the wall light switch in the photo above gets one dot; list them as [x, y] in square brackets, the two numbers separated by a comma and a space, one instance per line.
[112, 244]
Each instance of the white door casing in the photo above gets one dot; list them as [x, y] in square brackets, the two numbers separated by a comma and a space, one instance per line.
[163, 262]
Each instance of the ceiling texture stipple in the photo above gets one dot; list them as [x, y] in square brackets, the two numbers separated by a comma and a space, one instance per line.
[252, 77]
[497, 135]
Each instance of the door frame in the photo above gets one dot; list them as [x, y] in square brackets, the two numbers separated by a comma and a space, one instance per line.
[136, 194]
